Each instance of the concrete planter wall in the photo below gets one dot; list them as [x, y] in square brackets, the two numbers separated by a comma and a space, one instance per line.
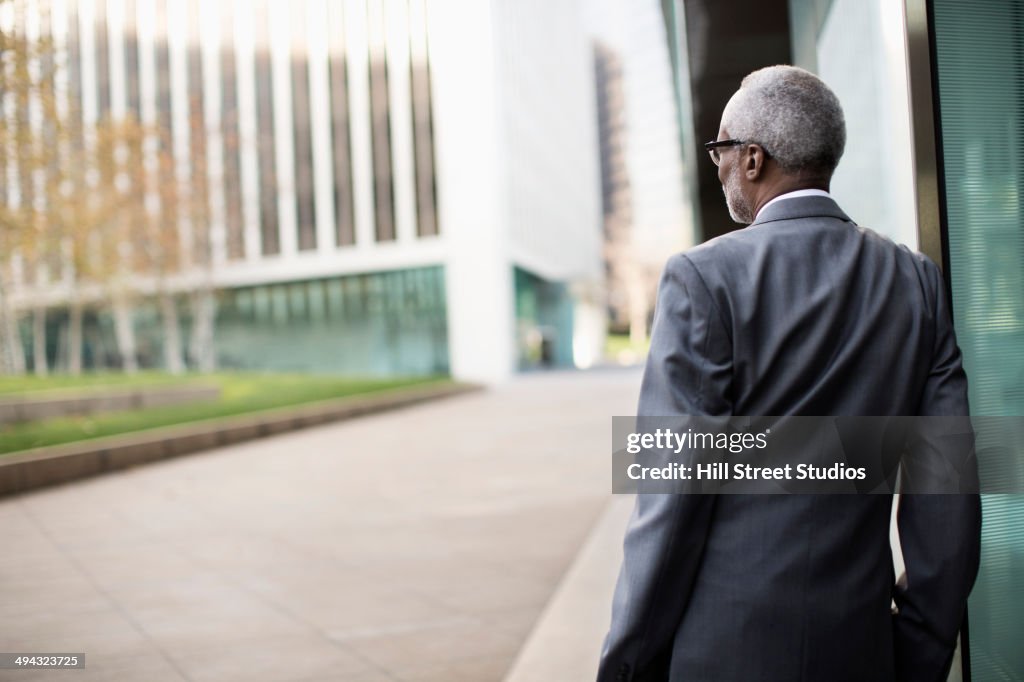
[31, 469]
[64, 404]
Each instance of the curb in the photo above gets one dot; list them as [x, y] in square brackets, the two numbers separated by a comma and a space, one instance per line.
[565, 642]
[53, 465]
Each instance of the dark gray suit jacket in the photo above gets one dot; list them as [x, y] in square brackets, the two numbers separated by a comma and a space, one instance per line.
[801, 313]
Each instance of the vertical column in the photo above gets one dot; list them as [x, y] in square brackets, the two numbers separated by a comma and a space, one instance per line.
[357, 50]
[320, 110]
[280, 53]
[478, 269]
[87, 60]
[9, 170]
[35, 178]
[209, 46]
[145, 18]
[248, 140]
[60, 34]
[179, 116]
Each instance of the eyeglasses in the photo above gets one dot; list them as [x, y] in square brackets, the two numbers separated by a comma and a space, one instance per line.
[714, 145]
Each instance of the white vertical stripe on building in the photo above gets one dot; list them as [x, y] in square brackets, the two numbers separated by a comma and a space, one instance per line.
[58, 33]
[37, 180]
[357, 52]
[284, 142]
[87, 55]
[90, 99]
[320, 118]
[177, 39]
[145, 21]
[35, 112]
[209, 41]
[396, 22]
[115, 50]
[145, 14]
[7, 110]
[246, 79]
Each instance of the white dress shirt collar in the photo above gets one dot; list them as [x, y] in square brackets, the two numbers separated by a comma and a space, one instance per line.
[796, 194]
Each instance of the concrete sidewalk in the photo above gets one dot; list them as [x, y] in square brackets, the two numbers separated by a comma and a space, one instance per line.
[409, 546]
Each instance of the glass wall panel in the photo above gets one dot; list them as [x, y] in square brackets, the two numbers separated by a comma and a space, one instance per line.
[365, 324]
[980, 63]
[544, 322]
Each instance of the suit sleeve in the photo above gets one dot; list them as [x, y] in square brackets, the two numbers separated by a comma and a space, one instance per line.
[688, 372]
[940, 534]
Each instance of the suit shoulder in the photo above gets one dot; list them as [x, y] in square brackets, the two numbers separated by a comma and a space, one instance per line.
[718, 252]
[927, 270]
[925, 263]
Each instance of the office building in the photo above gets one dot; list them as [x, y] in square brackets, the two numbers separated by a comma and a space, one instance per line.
[387, 186]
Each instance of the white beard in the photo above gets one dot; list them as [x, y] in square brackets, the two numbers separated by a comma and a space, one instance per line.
[739, 208]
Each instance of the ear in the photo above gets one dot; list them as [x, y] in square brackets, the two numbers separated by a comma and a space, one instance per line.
[754, 159]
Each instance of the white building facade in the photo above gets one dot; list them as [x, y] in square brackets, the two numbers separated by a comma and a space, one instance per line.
[389, 186]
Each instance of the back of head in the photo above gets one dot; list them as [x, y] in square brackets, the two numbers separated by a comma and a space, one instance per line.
[793, 115]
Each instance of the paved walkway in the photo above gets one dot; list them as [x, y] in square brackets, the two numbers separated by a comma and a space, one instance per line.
[410, 546]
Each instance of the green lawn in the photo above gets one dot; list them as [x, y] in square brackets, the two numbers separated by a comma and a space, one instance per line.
[617, 344]
[240, 393]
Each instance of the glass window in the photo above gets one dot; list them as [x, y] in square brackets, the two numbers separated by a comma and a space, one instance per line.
[981, 86]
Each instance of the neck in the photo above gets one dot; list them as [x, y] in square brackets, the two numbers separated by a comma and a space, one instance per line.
[784, 184]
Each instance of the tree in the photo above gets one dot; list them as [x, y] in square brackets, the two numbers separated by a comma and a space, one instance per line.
[30, 130]
[100, 204]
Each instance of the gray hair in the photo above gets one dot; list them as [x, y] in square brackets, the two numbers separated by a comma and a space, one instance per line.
[793, 115]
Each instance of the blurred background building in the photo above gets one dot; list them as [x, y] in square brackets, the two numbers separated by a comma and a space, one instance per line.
[384, 187]
[648, 210]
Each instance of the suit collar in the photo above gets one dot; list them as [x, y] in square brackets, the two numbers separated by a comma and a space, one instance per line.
[801, 207]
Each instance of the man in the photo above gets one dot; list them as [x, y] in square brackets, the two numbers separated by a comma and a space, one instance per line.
[801, 313]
